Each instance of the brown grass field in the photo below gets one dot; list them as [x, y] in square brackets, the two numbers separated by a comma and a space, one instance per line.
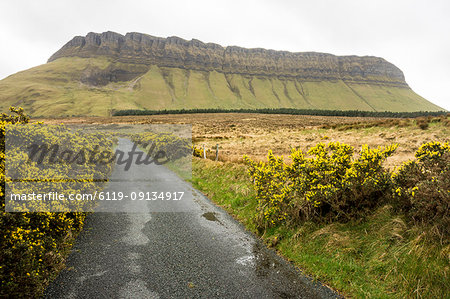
[254, 134]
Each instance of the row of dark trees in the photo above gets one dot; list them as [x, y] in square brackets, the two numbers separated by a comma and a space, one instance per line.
[290, 111]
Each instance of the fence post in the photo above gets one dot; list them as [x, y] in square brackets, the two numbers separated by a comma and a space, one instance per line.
[204, 152]
[217, 152]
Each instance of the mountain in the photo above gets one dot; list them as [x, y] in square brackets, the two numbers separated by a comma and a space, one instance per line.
[99, 73]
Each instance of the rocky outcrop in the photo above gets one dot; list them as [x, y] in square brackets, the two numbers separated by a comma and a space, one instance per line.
[139, 51]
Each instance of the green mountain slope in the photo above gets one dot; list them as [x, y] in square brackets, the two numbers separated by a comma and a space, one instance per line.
[82, 79]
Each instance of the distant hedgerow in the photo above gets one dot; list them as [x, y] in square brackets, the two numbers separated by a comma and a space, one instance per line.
[290, 111]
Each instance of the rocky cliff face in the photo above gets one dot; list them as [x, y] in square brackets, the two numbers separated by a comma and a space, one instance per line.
[134, 53]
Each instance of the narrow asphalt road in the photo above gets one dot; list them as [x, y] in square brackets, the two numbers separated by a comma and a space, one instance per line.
[180, 249]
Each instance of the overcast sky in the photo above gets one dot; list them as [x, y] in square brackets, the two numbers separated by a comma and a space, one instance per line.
[413, 35]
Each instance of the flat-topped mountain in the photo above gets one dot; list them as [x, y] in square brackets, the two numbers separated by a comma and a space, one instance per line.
[175, 52]
[99, 73]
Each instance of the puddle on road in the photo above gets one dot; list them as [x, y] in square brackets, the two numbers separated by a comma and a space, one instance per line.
[265, 261]
[210, 216]
[286, 281]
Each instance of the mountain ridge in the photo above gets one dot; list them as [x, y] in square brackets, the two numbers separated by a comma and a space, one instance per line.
[138, 48]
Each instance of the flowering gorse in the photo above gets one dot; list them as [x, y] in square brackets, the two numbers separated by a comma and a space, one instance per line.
[167, 145]
[422, 187]
[326, 183]
[32, 245]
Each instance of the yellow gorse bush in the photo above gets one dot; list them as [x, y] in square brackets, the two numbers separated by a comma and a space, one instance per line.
[32, 245]
[422, 187]
[173, 147]
[197, 152]
[328, 183]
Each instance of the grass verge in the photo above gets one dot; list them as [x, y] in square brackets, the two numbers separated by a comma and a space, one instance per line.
[379, 257]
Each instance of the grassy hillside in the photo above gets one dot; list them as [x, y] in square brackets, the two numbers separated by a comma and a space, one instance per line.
[55, 88]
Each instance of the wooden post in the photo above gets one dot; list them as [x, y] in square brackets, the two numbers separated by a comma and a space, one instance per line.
[204, 152]
[217, 152]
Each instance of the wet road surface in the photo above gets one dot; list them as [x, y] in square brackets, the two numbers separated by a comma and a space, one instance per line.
[184, 249]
